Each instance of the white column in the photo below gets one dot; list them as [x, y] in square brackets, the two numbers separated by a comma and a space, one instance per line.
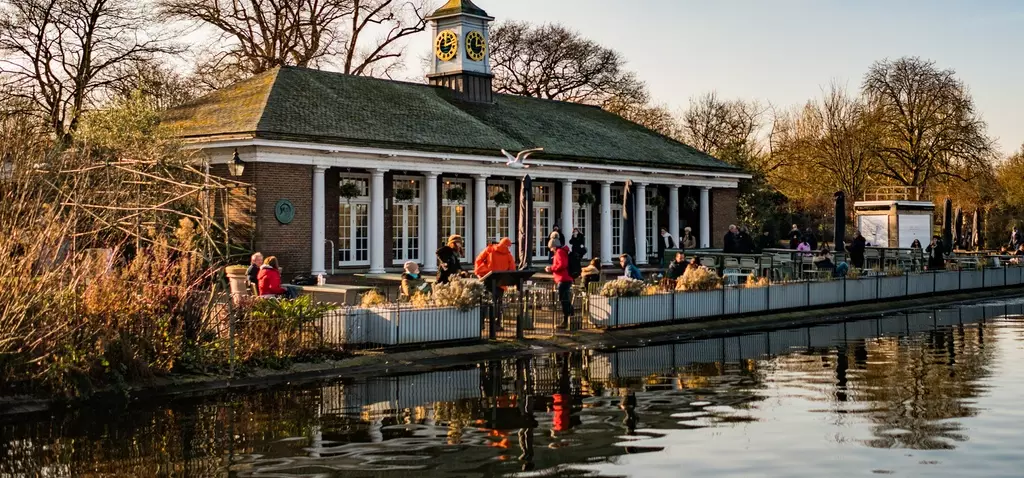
[641, 223]
[567, 209]
[430, 196]
[479, 215]
[606, 222]
[377, 222]
[705, 217]
[673, 213]
[319, 221]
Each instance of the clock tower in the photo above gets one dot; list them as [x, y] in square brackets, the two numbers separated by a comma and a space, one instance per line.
[461, 58]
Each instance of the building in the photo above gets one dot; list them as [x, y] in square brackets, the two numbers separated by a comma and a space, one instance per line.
[356, 173]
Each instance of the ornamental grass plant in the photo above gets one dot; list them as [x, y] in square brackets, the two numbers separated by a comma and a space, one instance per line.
[697, 279]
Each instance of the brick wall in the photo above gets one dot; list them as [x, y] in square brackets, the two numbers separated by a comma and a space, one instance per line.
[291, 243]
[724, 212]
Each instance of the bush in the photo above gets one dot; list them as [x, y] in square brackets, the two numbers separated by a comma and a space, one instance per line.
[624, 288]
[697, 279]
[373, 298]
[460, 293]
[275, 329]
[753, 281]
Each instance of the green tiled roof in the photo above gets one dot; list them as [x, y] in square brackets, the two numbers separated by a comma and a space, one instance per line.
[310, 105]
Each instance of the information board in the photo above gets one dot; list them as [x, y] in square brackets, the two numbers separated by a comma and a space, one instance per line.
[875, 229]
[915, 226]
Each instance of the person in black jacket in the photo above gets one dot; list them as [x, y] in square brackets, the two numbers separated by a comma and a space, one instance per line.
[794, 237]
[449, 258]
[578, 243]
[936, 258]
[856, 251]
[812, 239]
[731, 245]
[765, 242]
[255, 262]
[745, 241]
[677, 268]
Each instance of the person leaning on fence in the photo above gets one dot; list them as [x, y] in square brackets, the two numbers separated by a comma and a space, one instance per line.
[591, 274]
[269, 280]
[253, 273]
[449, 259]
[630, 270]
[412, 281]
[560, 270]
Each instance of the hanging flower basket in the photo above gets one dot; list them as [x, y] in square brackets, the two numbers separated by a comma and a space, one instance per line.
[502, 198]
[350, 191]
[585, 199]
[456, 195]
[656, 201]
[690, 204]
[404, 194]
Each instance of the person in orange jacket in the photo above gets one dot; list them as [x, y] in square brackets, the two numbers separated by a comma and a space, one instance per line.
[496, 258]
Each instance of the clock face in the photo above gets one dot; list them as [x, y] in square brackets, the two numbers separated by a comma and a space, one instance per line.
[446, 46]
[476, 46]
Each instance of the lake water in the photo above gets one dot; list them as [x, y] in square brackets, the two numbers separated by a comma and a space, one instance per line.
[934, 393]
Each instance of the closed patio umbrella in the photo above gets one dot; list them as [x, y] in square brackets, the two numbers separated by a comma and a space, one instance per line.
[629, 221]
[524, 236]
[958, 239]
[976, 231]
[947, 226]
[840, 223]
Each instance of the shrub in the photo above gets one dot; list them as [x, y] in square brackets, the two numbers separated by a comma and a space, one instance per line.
[699, 279]
[895, 271]
[420, 300]
[461, 293]
[624, 288]
[753, 281]
[854, 273]
[275, 329]
[372, 298]
[983, 262]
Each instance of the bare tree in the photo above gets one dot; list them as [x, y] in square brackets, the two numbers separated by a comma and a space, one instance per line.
[362, 37]
[930, 128]
[837, 135]
[164, 87]
[62, 55]
[556, 63]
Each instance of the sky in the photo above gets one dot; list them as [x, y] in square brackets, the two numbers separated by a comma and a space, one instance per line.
[784, 52]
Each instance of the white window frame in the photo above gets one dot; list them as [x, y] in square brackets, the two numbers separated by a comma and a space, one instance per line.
[617, 222]
[540, 240]
[492, 211]
[447, 230]
[653, 229]
[587, 217]
[417, 201]
[353, 205]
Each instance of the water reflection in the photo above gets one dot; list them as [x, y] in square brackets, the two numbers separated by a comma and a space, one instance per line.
[901, 382]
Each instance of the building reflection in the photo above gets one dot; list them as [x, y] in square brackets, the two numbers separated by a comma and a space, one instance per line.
[912, 376]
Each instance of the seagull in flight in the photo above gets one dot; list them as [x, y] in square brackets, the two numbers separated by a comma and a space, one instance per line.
[519, 161]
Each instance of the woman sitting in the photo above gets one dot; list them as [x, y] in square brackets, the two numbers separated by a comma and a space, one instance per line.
[823, 261]
[591, 274]
[412, 281]
[269, 281]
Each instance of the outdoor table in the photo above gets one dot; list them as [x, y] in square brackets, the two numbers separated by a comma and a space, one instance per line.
[338, 294]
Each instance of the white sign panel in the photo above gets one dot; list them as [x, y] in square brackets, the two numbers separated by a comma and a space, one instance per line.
[875, 229]
[915, 226]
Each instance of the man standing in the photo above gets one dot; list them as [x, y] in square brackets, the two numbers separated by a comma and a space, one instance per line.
[666, 242]
[794, 237]
[1015, 240]
[732, 237]
[678, 267]
[563, 280]
[856, 251]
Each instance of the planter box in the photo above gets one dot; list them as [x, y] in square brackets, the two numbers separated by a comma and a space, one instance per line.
[616, 311]
[920, 284]
[415, 326]
[788, 296]
[692, 305]
[1013, 275]
[858, 290]
[754, 299]
[394, 326]
[971, 279]
[946, 281]
[827, 293]
[892, 287]
[995, 277]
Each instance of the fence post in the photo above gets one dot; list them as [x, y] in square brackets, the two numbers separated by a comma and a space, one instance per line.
[492, 334]
[231, 341]
[521, 314]
[808, 293]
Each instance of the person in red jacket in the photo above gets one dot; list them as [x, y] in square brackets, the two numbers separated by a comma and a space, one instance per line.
[563, 280]
[269, 280]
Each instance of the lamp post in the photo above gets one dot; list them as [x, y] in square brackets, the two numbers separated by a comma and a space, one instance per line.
[236, 167]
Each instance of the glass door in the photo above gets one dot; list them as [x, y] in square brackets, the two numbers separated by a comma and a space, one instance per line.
[406, 220]
[543, 220]
[354, 225]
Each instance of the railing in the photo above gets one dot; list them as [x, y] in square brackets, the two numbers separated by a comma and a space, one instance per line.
[894, 193]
